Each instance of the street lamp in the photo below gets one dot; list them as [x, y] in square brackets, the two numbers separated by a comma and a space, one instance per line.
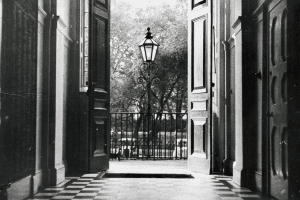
[148, 49]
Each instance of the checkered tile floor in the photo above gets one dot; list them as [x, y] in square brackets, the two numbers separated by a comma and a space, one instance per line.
[94, 186]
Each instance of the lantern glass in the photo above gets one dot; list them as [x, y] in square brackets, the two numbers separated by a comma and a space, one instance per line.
[148, 52]
[154, 52]
[143, 52]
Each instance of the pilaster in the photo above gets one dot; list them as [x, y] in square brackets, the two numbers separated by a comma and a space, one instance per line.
[41, 177]
[239, 174]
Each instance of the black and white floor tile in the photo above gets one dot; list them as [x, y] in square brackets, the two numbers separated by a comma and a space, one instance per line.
[96, 186]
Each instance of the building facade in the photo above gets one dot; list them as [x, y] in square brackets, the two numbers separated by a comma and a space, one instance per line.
[243, 92]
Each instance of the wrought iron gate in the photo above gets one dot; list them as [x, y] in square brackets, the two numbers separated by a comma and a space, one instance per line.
[165, 139]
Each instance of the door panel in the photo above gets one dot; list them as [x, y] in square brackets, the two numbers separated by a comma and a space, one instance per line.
[278, 102]
[99, 85]
[18, 77]
[199, 86]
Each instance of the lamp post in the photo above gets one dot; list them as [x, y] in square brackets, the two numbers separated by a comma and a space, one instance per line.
[148, 49]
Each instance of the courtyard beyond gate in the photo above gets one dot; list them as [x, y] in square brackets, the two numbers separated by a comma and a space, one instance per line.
[164, 138]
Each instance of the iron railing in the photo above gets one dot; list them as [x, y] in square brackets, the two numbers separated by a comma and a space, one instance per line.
[165, 139]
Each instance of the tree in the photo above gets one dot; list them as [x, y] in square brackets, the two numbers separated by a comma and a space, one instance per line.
[170, 27]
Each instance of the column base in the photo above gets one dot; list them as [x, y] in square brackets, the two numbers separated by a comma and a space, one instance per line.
[239, 176]
[57, 175]
[199, 164]
[41, 180]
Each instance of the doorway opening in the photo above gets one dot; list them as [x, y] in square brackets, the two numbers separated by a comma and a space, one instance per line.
[135, 135]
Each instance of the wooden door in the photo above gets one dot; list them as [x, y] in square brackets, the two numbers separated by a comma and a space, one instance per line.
[98, 92]
[199, 86]
[277, 114]
[18, 75]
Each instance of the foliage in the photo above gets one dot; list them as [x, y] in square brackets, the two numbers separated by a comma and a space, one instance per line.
[169, 27]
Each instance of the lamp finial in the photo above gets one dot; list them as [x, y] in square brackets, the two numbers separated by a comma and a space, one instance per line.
[148, 34]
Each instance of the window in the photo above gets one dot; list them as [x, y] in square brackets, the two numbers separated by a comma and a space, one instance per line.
[84, 48]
